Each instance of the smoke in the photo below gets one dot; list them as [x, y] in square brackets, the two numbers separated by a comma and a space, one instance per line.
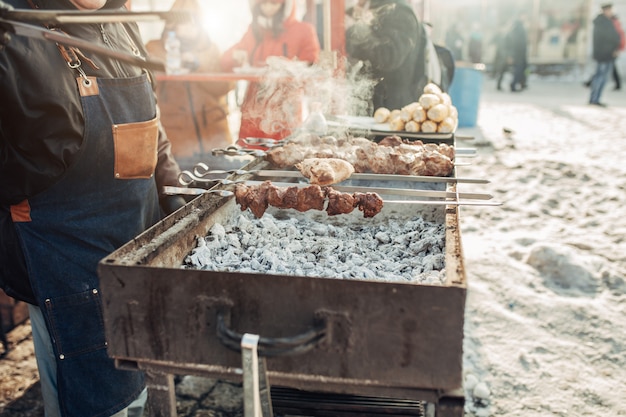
[289, 88]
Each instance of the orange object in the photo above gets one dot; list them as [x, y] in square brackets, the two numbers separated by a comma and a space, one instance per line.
[272, 109]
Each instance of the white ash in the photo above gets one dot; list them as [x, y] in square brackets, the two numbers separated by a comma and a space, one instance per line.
[402, 249]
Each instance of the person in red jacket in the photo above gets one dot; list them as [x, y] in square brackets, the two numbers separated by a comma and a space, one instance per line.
[622, 45]
[270, 111]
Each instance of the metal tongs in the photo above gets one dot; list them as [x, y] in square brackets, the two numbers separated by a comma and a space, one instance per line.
[201, 171]
[14, 21]
[265, 142]
[234, 150]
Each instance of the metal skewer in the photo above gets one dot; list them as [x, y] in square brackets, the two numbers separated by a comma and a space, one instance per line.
[201, 170]
[170, 190]
[388, 191]
[58, 17]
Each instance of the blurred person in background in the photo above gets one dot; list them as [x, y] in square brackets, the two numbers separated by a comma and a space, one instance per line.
[606, 46]
[617, 79]
[455, 42]
[501, 57]
[517, 43]
[275, 31]
[622, 44]
[194, 114]
[475, 45]
[83, 162]
[397, 53]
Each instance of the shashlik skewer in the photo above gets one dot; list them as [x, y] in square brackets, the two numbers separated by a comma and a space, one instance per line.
[387, 191]
[202, 170]
[170, 190]
[259, 197]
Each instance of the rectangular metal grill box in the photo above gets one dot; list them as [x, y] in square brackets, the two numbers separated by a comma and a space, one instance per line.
[383, 339]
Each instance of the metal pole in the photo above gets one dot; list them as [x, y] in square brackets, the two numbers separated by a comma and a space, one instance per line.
[327, 26]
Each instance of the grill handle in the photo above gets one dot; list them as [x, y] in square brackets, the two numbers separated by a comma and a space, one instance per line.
[269, 347]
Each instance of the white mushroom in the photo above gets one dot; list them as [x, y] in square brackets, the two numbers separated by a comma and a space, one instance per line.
[394, 114]
[454, 113]
[429, 100]
[419, 114]
[429, 126]
[448, 125]
[412, 126]
[406, 113]
[432, 88]
[396, 124]
[438, 112]
[381, 115]
[445, 98]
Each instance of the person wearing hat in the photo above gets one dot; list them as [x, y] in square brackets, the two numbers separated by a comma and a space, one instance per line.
[271, 111]
[606, 46]
[394, 51]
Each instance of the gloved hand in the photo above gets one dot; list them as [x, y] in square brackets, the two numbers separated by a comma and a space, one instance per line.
[171, 203]
[5, 37]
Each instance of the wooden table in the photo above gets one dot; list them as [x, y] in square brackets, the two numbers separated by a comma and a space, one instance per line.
[211, 76]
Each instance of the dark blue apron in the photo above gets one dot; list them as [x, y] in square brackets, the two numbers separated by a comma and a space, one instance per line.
[106, 198]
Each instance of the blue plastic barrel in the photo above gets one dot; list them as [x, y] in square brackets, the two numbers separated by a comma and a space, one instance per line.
[465, 91]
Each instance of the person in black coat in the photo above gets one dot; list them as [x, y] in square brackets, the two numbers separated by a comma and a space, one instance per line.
[517, 40]
[606, 44]
[398, 54]
[455, 42]
[500, 61]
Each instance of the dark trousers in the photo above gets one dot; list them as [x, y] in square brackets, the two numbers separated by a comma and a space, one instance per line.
[617, 79]
[519, 76]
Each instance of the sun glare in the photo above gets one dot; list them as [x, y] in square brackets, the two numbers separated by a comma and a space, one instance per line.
[226, 23]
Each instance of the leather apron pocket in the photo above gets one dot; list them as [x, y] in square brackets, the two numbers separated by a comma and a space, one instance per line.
[77, 323]
[136, 149]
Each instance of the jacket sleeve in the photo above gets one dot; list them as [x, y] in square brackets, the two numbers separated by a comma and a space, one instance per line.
[246, 43]
[166, 173]
[620, 31]
[309, 45]
[387, 40]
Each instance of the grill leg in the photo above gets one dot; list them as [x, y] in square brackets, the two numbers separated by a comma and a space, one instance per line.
[451, 404]
[161, 394]
[256, 389]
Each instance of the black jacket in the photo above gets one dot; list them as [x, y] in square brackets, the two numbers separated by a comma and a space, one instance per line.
[41, 122]
[606, 40]
[394, 45]
[517, 41]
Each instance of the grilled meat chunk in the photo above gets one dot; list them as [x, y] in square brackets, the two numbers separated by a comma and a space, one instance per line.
[369, 203]
[259, 197]
[312, 197]
[325, 171]
[392, 155]
[339, 203]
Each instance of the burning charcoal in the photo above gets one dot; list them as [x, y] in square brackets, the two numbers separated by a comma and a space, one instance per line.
[218, 231]
[232, 240]
[256, 265]
[433, 262]
[301, 246]
[422, 245]
[383, 237]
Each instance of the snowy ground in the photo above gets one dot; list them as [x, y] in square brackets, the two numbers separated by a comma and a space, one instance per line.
[545, 328]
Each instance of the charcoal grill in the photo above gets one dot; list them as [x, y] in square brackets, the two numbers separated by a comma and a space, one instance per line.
[363, 338]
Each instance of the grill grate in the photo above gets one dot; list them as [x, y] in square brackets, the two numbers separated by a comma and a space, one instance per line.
[287, 401]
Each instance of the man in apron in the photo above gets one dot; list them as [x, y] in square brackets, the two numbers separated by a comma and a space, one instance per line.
[83, 159]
